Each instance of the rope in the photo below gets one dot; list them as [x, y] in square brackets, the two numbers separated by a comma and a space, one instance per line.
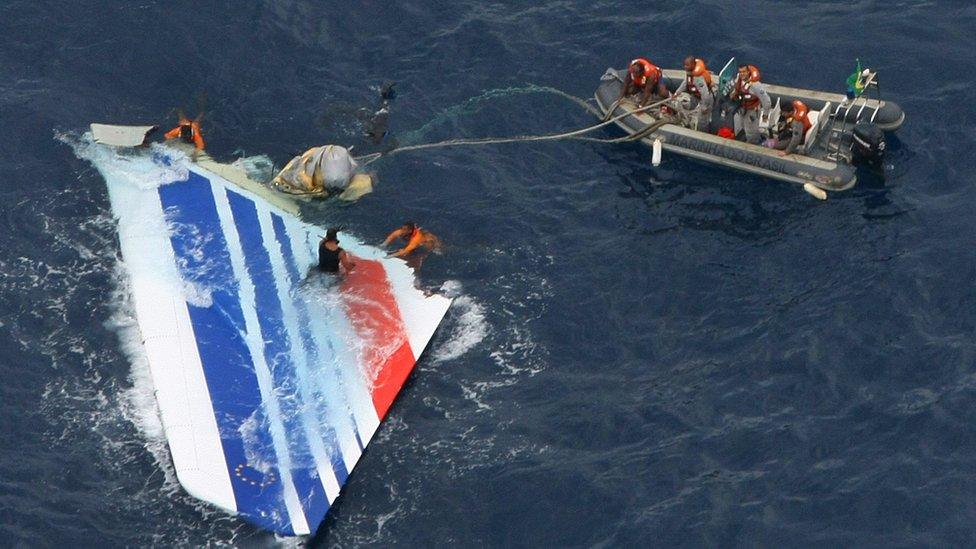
[367, 158]
[636, 136]
[612, 109]
[575, 134]
[473, 104]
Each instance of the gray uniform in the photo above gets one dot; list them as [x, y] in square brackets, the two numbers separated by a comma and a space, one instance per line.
[748, 119]
[703, 111]
[796, 131]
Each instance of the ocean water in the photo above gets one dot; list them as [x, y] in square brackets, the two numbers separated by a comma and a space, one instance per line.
[638, 356]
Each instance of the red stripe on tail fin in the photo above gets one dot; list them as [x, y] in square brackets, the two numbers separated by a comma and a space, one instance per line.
[373, 311]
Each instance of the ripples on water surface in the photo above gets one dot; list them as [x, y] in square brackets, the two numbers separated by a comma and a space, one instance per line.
[675, 356]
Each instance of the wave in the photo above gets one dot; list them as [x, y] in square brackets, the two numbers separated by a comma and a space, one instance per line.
[469, 327]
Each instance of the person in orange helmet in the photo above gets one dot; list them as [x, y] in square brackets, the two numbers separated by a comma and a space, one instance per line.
[188, 131]
[644, 77]
[414, 237]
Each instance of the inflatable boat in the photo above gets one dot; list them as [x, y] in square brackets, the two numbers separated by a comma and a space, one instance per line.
[270, 377]
[844, 131]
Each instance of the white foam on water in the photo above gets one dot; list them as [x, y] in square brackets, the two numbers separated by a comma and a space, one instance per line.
[255, 451]
[469, 327]
[134, 165]
[194, 291]
[259, 167]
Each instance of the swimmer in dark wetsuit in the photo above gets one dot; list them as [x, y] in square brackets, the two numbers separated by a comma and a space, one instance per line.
[332, 258]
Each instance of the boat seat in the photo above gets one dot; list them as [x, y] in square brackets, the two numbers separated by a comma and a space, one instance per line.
[772, 120]
[817, 119]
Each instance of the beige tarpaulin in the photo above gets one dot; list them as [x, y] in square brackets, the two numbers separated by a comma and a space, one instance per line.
[329, 167]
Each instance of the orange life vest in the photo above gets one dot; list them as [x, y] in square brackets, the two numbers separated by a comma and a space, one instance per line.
[189, 131]
[702, 71]
[416, 235]
[747, 99]
[800, 112]
[651, 72]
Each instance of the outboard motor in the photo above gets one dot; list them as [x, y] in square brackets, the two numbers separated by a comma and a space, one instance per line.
[868, 145]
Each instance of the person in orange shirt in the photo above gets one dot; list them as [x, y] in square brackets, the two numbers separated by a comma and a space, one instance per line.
[414, 237]
[188, 131]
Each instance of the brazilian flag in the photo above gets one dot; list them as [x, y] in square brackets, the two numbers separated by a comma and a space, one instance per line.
[855, 83]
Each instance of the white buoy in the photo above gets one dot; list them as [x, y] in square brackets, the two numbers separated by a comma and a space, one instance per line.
[656, 153]
[815, 191]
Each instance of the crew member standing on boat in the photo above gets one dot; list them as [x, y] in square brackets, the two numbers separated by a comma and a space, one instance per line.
[795, 125]
[332, 258]
[754, 102]
[698, 83]
[644, 77]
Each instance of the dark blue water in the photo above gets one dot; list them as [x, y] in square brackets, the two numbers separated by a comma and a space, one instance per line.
[680, 356]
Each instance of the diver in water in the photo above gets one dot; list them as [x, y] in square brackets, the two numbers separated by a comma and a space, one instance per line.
[377, 126]
[418, 243]
[332, 258]
[415, 237]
